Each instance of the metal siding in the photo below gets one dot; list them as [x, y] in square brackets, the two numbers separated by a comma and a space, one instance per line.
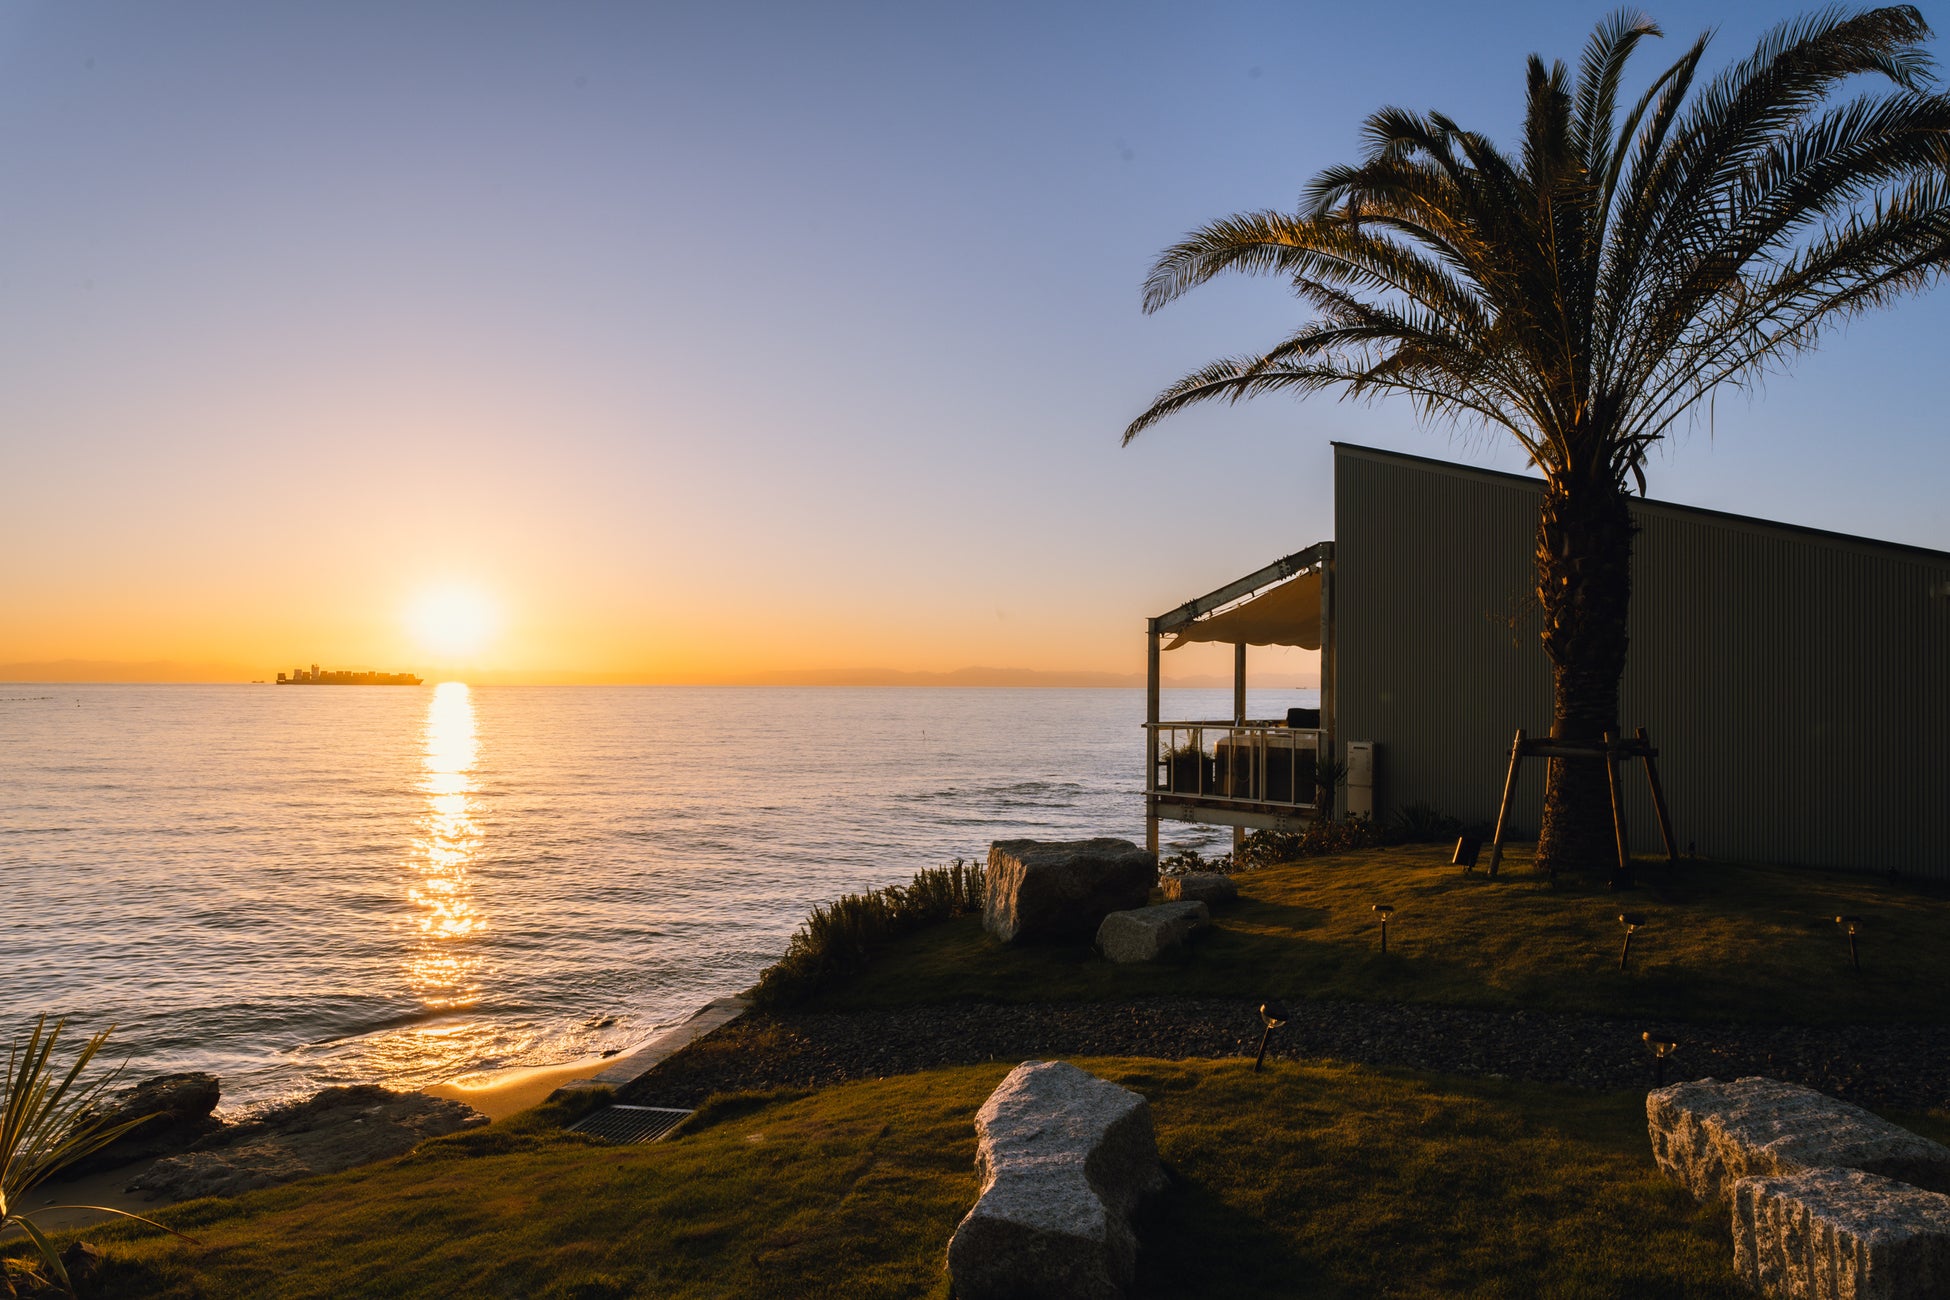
[1797, 685]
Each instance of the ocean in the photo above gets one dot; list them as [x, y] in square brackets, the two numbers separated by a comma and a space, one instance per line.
[302, 887]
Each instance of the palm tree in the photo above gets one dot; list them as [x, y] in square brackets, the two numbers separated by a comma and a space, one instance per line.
[1586, 291]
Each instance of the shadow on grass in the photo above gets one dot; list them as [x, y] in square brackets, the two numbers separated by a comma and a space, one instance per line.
[1193, 1243]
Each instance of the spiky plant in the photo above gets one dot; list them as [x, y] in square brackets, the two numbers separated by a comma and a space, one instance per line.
[1585, 292]
[47, 1123]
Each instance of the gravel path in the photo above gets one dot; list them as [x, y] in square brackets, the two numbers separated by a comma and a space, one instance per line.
[1896, 1066]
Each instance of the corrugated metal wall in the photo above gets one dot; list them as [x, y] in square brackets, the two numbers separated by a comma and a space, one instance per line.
[1796, 684]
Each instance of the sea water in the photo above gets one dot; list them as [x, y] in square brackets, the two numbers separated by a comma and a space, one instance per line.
[300, 887]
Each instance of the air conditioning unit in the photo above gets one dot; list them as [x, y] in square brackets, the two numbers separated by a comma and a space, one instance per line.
[1360, 778]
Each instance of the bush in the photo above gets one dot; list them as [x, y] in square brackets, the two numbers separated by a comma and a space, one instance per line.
[842, 936]
[1264, 848]
[1188, 862]
[1420, 824]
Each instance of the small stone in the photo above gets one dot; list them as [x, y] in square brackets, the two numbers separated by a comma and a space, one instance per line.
[1841, 1234]
[1061, 889]
[1212, 888]
[1145, 933]
[1064, 1157]
[83, 1263]
[1706, 1135]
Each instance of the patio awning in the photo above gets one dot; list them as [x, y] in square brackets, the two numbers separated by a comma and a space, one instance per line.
[1288, 614]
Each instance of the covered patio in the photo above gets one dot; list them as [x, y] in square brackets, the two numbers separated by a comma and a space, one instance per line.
[1244, 772]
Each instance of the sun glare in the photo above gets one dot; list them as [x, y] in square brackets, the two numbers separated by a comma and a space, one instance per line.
[453, 622]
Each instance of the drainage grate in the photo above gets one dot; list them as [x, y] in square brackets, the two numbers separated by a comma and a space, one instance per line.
[628, 1124]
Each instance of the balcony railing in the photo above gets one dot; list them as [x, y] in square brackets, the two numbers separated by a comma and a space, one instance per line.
[1246, 765]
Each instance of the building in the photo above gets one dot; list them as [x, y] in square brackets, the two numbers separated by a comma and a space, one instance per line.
[1796, 683]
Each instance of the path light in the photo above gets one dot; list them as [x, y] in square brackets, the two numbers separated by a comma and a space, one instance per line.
[1273, 1015]
[1854, 958]
[1660, 1048]
[1384, 912]
[1631, 921]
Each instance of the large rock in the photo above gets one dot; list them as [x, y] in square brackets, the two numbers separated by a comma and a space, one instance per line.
[337, 1129]
[1213, 888]
[175, 1110]
[1062, 889]
[1144, 933]
[1708, 1134]
[1841, 1234]
[1064, 1156]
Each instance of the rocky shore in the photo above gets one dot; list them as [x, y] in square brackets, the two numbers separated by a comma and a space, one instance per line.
[182, 1150]
[1892, 1067]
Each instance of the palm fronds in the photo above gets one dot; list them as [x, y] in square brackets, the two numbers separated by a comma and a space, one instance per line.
[48, 1121]
[1587, 291]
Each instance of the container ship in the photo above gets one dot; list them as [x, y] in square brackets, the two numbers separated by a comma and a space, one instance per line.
[299, 677]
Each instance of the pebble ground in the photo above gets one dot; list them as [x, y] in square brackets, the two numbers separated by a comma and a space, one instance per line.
[1899, 1067]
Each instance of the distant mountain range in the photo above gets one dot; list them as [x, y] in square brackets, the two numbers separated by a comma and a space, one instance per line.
[125, 670]
[998, 677]
[104, 670]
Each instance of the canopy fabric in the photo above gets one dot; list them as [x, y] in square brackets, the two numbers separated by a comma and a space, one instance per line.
[1288, 614]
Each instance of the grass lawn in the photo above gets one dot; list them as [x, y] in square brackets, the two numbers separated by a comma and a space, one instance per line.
[1721, 942]
[1318, 1179]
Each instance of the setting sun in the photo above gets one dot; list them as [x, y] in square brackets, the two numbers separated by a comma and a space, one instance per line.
[453, 622]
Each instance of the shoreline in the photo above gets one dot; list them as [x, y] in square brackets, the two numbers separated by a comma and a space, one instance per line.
[496, 1093]
[512, 1089]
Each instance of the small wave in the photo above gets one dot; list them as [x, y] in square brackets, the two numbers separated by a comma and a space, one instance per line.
[334, 1036]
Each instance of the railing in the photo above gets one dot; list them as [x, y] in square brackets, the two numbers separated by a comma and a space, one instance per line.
[1261, 764]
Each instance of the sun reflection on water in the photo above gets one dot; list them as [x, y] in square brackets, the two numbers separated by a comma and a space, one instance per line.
[442, 969]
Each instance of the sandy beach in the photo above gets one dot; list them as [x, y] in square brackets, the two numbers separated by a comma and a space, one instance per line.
[498, 1094]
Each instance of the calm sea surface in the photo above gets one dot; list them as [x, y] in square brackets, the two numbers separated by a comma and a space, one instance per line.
[299, 887]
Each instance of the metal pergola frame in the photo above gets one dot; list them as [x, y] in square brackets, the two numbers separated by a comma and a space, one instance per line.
[1319, 556]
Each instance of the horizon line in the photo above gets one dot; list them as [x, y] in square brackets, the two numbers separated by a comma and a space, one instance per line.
[77, 672]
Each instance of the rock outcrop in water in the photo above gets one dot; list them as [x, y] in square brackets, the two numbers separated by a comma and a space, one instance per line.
[175, 1110]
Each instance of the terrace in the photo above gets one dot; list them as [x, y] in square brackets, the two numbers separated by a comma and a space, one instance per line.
[1242, 772]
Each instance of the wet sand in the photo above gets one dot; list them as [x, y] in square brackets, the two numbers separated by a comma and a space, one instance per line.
[498, 1094]
[103, 1187]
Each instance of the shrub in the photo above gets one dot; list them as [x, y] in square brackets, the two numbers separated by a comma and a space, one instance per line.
[1189, 862]
[1418, 823]
[841, 937]
[1264, 848]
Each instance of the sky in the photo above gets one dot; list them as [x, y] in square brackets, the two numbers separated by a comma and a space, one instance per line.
[731, 342]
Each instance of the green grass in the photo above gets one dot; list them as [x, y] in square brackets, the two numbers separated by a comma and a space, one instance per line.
[1322, 1180]
[1317, 1179]
[1722, 942]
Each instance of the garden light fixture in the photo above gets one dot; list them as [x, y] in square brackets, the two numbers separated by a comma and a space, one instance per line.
[1661, 1048]
[1854, 957]
[1631, 921]
[1384, 911]
[1272, 1015]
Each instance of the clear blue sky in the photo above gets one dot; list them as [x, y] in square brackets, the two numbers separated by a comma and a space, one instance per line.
[731, 337]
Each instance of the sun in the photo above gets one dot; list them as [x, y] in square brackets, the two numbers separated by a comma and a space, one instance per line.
[453, 622]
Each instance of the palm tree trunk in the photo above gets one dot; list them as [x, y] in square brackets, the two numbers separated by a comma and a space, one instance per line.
[1584, 584]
